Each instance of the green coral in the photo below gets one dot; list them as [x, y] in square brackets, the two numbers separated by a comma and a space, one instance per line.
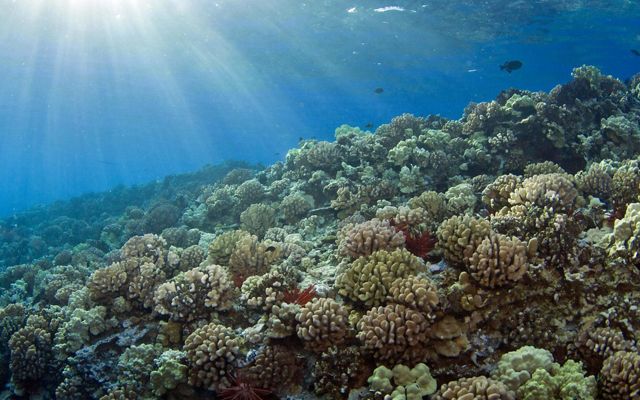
[567, 382]
[257, 219]
[516, 367]
[408, 383]
[368, 279]
[171, 370]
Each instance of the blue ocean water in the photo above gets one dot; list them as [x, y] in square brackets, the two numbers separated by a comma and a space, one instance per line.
[96, 93]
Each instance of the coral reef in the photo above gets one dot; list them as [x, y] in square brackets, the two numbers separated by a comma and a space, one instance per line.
[491, 257]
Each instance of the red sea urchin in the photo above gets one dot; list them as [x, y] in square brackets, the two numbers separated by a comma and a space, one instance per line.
[418, 243]
[242, 390]
[300, 297]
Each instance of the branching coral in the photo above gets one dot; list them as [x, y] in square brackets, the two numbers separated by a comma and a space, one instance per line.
[459, 236]
[368, 280]
[295, 207]
[394, 333]
[620, 376]
[257, 219]
[30, 356]
[337, 370]
[476, 388]
[212, 352]
[566, 382]
[265, 291]
[195, 294]
[276, 367]
[596, 181]
[365, 238]
[221, 248]
[556, 190]
[596, 344]
[323, 323]
[415, 292]
[498, 260]
[496, 194]
[145, 264]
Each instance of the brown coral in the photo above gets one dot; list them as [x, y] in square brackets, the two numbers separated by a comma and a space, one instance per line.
[620, 376]
[498, 260]
[257, 219]
[221, 248]
[433, 203]
[625, 184]
[496, 194]
[265, 291]
[594, 345]
[195, 294]
[143, 284]
[251, 257]
[275, 367]
[415, 292]
[212, 352]
[368, 279]
[394, 333]
[556, 190]
[191, 257]
[30, 355]
[144, 265]
[12, 318]
[322, 323]
[337, 370]
[108, 282]
[365, 238]
[596, 181]
[476, 388]
[544, 167]
[147, 246]
[459, 236]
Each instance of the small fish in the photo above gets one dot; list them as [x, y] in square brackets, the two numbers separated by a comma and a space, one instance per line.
[369, 125]
[635, 52]
[378, 90]
[511, 65]
[271, 248]
[389, 8]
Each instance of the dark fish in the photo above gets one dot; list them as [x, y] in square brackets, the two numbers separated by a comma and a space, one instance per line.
[511, 65]
[369, 125]
[271, 248]
[378, 90]
[636, 52]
